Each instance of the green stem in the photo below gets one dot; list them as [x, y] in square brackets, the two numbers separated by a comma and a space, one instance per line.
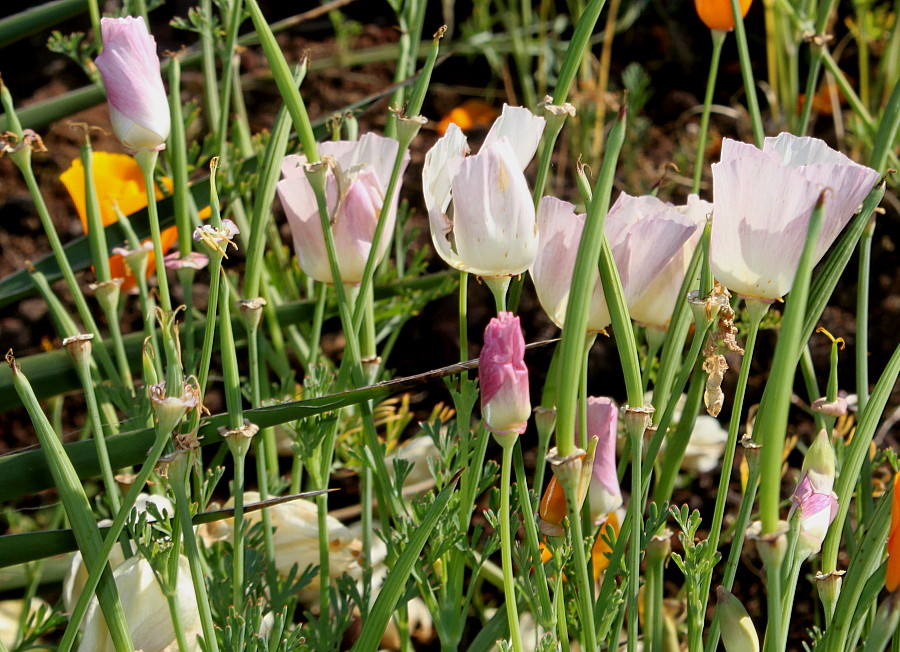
[84, 312]
[636, 437]
[585, 604]
[862, 315]
[210, 78]
[582, 285]
[498, 286]
[747, 72]
[774, 607]
[147, 160]
[757, 310]
[237, 546]
[506, 543]
[771, 424]
[546, 616]
[718, 39]
[463, 317]
[734, 554]
[182, 508]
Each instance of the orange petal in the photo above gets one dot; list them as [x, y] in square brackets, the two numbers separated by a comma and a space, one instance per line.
[892, 577]
[119, 181]
[553, 503]
[716, 14]
[470, 113]
[600, 549]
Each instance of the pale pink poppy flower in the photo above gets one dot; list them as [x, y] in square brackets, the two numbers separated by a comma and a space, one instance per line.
[763, 201]
[357, 179]
[644, 234]
[505, 402]
[129, 65]
[602, 424]
[479, 207]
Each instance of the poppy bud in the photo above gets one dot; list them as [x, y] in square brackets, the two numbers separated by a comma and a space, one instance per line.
[129, 65]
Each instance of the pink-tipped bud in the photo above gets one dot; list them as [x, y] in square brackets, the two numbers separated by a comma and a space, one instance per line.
[814, 497]
[129, 65]
[505, 403]
[602, 424]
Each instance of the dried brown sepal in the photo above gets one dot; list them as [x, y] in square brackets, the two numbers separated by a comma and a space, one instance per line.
[715, 366]
[721, 338]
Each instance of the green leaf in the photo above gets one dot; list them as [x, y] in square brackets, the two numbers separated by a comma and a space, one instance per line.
[52, 373]
[395, 585]
[37, 19]
[27, 472]
[31, 546]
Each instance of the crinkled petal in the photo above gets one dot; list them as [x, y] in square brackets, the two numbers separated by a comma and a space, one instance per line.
[521, 129]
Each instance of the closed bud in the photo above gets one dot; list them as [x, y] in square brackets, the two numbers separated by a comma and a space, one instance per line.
[738, 632]
[602, 425]
[129, 65]
[814, 496]
[505, 401]
[717, 14]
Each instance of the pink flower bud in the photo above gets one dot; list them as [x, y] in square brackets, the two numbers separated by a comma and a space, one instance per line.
[137, 100]
[814, 497]
[763, 202]
[602, 424]
[357, 178]
[505, 402]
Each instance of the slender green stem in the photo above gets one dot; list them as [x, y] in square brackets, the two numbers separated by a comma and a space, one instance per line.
[636, 437]
[182, 508]
[546, 616]
[210, 78]
[771, 424]
[318, 318]
[718, 39]
[747, 72]
[82, 365]
[175, 615]
[734, 554]
[463, 317]
[506, 544]
[498, 287]
[757, 310]
[147, 160]
[862, 315]
[237, 545]
[582, 285]
[84, 312]
[585, 604]
[774, 606]
[787, 605]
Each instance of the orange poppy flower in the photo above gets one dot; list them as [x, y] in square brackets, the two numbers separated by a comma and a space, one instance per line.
[471, 113]
[119, 181]
[892, 577]
[716, 14]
